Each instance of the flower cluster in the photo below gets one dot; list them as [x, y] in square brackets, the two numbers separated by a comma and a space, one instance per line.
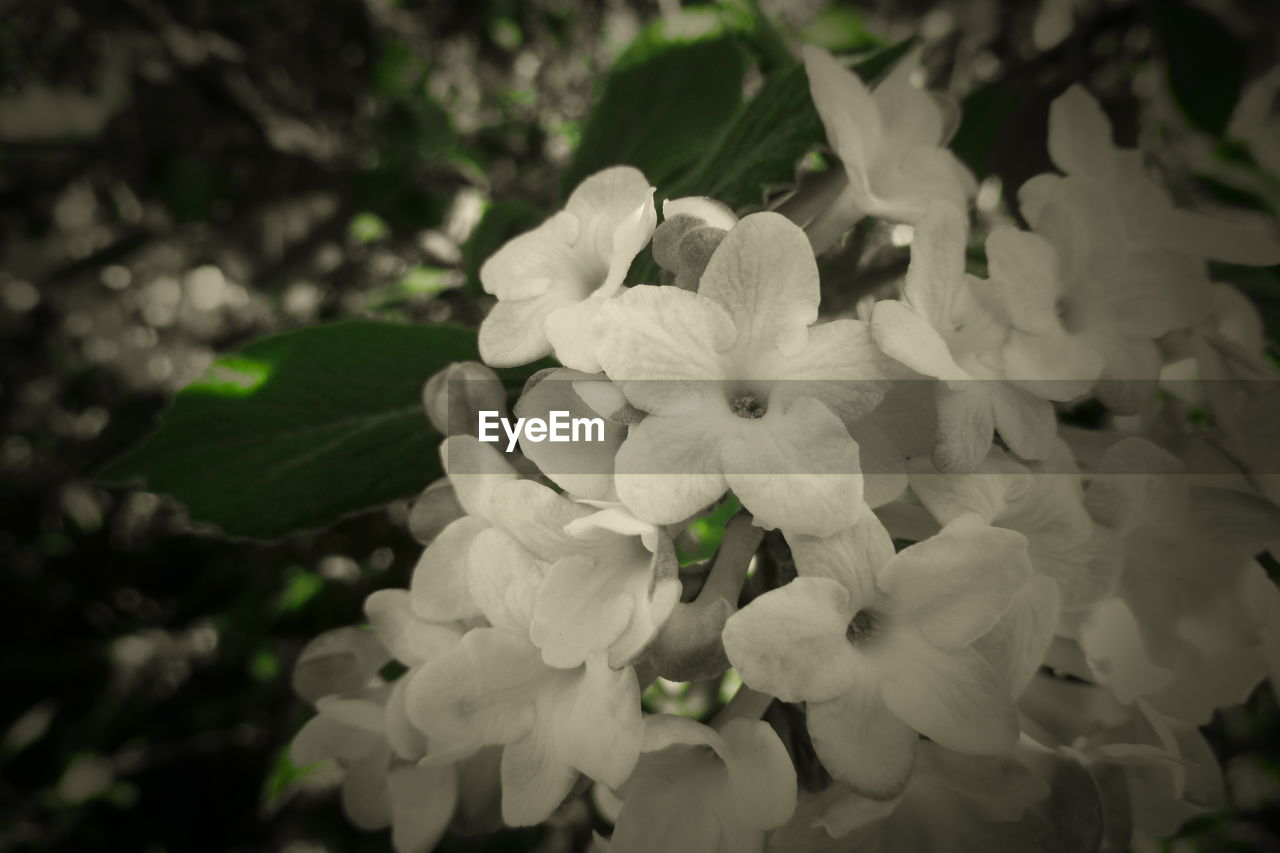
[958, 622]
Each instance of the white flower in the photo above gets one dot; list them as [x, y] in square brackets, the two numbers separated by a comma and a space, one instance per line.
[595, 585]
[1045, 503]
[494, 688]
[1081, 146]
[550, 281]
[699, 790]
[879, 646]
[944, 328]
[953, 801]
[742, 390]
[362, 724]
[891, 143]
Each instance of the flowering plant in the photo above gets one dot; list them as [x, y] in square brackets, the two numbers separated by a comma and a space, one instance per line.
[1014, 613]
[935, 611]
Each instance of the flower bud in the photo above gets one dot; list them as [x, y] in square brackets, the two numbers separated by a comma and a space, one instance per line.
[338, 661]
[434, 510]
[692, 229]
[454, 397]
[689, 648]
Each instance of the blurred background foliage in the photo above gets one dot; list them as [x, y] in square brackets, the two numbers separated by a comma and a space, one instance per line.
[180, 177]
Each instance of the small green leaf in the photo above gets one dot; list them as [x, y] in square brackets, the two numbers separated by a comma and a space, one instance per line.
[298, 429]
[284, 774]
[667, 96]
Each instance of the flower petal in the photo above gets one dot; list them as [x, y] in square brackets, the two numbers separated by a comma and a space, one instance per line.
[438, 588]
[852, 556]
[966, 426]
[848, 112]
[1026, 423]
[530, 264]
[536, 517]
[323, 737]
[952, 697]
[662, 345]
[364, 791]
[791, 641]
[584, 468]
[797, 470]
[504, 579]
[1080, 135]
[410, 639]
[908, 337]
[422, 802]
[984, 492]
[615, 207]
[954, 586]
[1219, 239]
[862, 743]
[475, 469]
[597, 723]
[764, 275]
[534, 779]
[341, 660]
[1016, 645]
[481, 691]
[761, 777]
[840, 365]
[669, 467]
[910, 116]
[582, 608]
[936, 269]
[515, 332]
[1055, 365]
[1023, 277]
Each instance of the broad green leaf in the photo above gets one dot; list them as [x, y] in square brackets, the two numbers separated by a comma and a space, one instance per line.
[300, 428]
[670, 92]
[1205, 63]
[770, 134]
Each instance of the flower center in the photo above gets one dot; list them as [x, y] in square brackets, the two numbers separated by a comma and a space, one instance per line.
[747, 406]
[861, 627]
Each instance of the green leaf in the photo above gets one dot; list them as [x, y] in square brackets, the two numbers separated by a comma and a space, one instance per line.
[1205, 63]
[502, 220]
[666, 97]
[298, 429]
[762, 145]
[840, 28]
[284, 775]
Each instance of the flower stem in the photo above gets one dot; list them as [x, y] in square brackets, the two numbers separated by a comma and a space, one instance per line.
[729, 572]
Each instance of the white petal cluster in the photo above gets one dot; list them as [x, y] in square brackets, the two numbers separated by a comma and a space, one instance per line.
[959, 622]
